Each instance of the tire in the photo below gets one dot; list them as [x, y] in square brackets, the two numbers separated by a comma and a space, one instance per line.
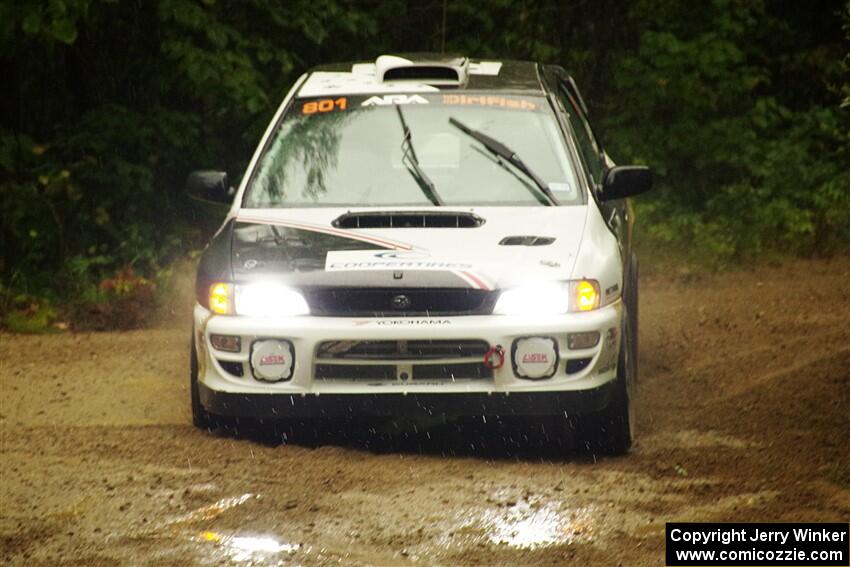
[611, 430]
[200, 417]
[632, 304]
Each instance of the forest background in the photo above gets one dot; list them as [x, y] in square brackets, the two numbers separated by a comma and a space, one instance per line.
[741, 107]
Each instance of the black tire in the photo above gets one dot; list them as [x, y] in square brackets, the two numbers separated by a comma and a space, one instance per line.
[200, 417]
[633, 304]
[611, 430]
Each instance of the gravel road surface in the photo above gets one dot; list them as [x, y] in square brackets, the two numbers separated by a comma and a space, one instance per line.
[744, 415]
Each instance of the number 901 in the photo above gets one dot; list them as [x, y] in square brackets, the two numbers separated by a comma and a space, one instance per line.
[323, 105]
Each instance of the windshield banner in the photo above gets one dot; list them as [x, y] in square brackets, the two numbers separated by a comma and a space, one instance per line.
[327, 105]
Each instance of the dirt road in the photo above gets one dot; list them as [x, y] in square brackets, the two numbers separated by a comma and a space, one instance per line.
[744, 415]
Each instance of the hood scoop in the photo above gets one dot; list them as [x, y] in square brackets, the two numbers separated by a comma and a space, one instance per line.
[442, 71]
[409, 219]
[526, 241]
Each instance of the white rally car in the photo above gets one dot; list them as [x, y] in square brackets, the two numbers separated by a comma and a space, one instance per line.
[423, 236]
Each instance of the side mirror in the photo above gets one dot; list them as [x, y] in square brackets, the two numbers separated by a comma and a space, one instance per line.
[626, 181]
[212, 186]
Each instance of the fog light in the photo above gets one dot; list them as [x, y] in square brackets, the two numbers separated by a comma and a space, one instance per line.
[578, 341]
[272, 360]
[535, 357]
[228, 343]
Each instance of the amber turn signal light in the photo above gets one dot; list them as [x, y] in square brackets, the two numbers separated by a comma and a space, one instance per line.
[585, 295]
[220, 298]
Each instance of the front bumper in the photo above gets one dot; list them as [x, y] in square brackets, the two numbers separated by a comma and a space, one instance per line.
[503, 393]
[282, 406]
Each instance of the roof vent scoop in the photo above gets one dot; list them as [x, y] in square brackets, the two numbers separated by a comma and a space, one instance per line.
[452, 71]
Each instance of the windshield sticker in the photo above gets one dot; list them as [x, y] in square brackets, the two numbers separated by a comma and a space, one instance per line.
[562, 190]
[324, 105]
[561, 187]
[513, 103]
[387, 100]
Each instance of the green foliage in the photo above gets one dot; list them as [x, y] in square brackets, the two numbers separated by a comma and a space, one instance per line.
[114, 103]
[742, 108]
[24, 313]
[748, 161]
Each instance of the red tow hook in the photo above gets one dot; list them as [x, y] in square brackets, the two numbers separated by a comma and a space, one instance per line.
[495, 357]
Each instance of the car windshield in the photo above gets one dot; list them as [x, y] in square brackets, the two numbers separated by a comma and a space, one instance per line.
[351, 151]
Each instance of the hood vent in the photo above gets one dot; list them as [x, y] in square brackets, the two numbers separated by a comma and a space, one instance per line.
[527, 241]
[408, 220]
[421, 74]
[448, 71]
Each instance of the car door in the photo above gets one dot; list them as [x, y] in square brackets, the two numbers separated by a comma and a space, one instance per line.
[596, 162]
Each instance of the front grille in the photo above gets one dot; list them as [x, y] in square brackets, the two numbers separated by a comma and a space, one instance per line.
[402, 350]
[468, 370]
[402, 360]
[355, 372]
[392, 372]
[386, 302]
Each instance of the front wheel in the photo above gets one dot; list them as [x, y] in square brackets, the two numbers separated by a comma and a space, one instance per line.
[611, 430]
[201, 418]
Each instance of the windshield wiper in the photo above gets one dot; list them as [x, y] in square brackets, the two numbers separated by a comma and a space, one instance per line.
[418, 173]
[508, 154]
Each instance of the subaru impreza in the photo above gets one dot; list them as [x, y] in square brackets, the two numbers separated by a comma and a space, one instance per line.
[423, 236]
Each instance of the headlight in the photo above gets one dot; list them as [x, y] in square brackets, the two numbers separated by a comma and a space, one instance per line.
[269, 300]
[549, 298]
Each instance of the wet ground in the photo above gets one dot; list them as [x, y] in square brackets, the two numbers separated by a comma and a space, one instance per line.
[744, 415]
